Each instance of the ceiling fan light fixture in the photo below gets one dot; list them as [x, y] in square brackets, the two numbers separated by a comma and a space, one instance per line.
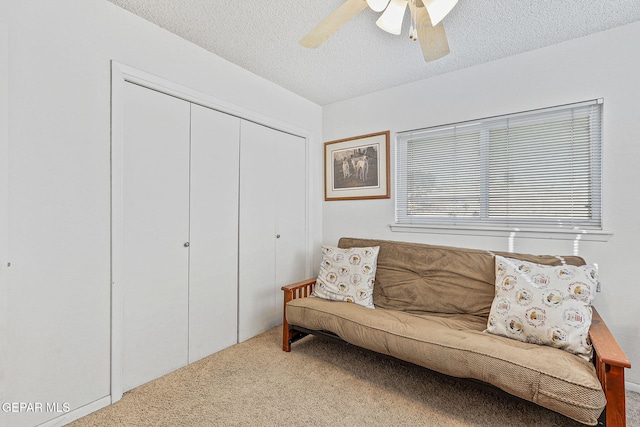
[438, 9]
[377, 5]
[391, 19]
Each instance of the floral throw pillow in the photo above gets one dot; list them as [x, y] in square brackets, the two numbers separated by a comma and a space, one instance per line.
[347, 275]
[544, 305]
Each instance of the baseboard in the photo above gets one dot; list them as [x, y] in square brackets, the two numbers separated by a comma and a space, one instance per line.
[632, 386]
[78, 413]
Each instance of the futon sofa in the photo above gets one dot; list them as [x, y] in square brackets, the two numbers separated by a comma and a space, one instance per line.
[434, 306]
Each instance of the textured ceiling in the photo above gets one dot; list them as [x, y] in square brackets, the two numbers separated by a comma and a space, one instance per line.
[262, 37]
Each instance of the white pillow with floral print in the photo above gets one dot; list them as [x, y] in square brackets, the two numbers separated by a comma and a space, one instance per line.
[347, 275]
[543, 304]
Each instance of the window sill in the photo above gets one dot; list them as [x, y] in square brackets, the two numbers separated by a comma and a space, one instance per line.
[583, 235]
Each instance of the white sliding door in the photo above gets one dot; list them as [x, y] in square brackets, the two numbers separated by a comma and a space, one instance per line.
[213, 278]
[272, 224]
[209, 222]
[291, 216]
[257, 268]
[155, 229]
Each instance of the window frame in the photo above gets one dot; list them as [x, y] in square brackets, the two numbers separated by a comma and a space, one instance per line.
[590, 229]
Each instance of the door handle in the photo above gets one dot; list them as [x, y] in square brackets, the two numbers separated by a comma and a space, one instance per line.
[186, 244]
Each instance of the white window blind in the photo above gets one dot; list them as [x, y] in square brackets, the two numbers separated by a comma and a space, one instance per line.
[539, 169]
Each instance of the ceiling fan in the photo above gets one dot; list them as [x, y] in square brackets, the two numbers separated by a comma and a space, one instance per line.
[425, 22]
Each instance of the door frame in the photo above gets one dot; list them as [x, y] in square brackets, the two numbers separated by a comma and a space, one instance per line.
[121, 74]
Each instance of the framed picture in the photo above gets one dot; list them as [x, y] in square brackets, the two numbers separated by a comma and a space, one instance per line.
[357, 168]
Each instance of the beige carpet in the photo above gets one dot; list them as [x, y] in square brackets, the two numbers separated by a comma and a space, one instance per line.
[320, 383]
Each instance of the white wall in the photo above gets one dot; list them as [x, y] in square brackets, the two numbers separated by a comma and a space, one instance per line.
[56, 294]
[604, 65]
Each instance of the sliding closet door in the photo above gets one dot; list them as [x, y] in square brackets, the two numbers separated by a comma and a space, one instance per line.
[272, 224]
[155, 231]
[213, 273]
[257, 269]
[291, 218]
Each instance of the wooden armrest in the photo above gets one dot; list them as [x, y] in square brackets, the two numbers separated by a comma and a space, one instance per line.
[610, 362]
[298, 285]
[301, 289]
[604, 343]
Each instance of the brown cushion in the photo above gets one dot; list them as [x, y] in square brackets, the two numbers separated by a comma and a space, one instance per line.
[417, 278]
[455, 345]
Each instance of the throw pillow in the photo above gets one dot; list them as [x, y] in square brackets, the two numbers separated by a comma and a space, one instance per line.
[347, 275]
[543, 304]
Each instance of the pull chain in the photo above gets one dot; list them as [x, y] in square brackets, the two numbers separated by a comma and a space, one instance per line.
[413, 31]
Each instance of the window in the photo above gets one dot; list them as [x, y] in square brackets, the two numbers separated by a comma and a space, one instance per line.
[539, 169]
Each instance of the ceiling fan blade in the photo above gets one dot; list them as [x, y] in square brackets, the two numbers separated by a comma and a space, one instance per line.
[433, 40]
[333, 22]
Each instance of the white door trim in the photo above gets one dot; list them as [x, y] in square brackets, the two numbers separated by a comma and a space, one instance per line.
[120, 74]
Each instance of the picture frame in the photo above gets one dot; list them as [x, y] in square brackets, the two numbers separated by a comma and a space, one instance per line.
[357, 168]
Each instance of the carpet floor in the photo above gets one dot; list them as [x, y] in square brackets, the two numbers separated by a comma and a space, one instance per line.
[320, 383]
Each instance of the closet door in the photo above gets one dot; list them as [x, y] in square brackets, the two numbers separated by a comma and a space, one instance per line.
[272, 224]
[257, 269]
[291, 213]
[155, 230]
[213, 271]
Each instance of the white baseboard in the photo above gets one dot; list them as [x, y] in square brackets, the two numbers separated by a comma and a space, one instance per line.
[632, 386]
[78, 413]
